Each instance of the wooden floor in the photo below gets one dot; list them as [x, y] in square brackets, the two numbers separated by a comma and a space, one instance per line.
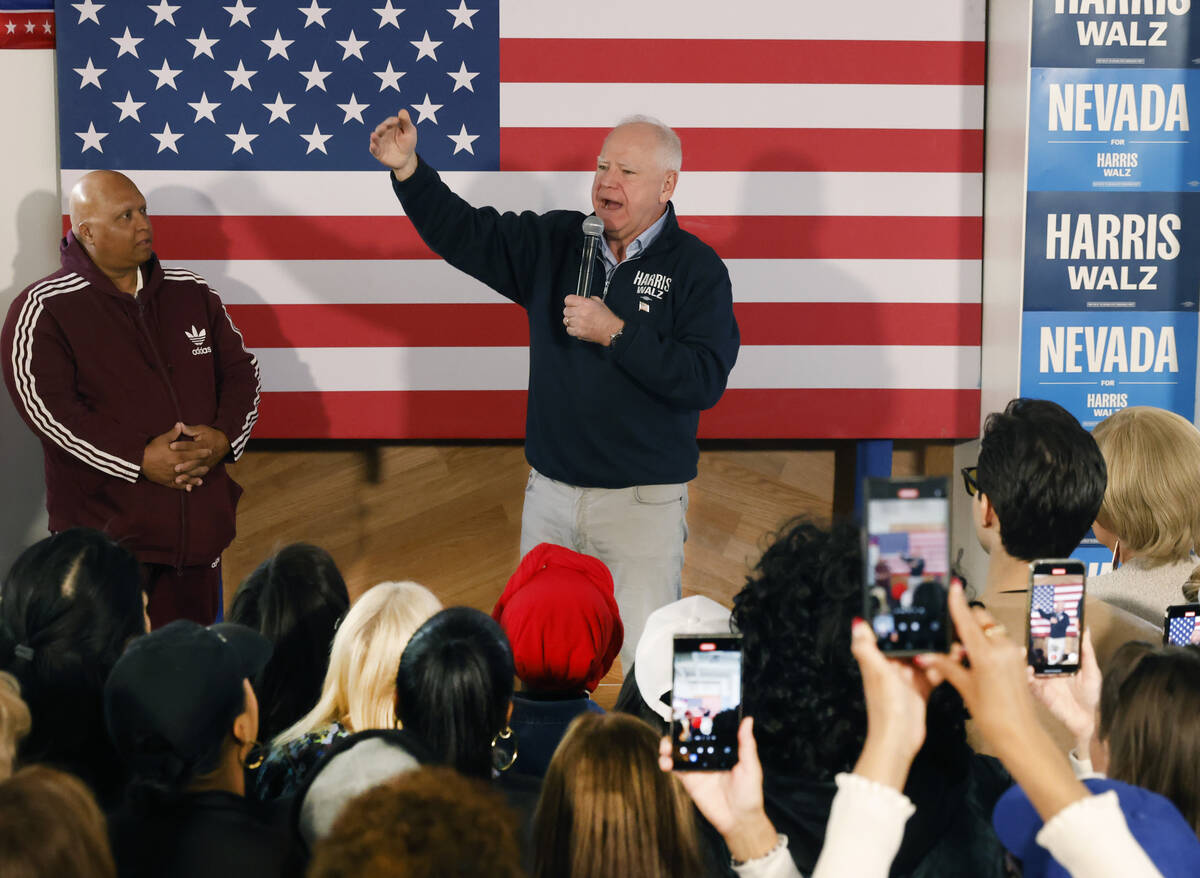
[449, 516]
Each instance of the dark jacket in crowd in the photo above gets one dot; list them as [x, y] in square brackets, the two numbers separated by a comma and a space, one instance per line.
[950, 834]
[539, 722]
[205, 835]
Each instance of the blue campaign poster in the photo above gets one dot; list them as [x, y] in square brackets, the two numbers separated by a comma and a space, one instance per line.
[1112, 251]
[1095, 364]
[1113, 130]
[1115, 33]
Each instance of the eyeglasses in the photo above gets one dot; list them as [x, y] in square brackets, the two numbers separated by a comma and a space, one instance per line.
[970, 476]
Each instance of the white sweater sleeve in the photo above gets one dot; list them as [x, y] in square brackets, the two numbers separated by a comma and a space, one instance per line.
[1090, 838]
[866, 826]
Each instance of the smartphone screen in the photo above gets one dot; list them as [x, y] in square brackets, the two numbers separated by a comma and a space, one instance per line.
[706, 701]
[1056, 590]
[1181, 625]
[907, 560]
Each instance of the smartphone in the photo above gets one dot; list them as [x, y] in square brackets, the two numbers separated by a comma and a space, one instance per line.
[906, 554]
[1180, 625]
[706, 701]
[1055, 618]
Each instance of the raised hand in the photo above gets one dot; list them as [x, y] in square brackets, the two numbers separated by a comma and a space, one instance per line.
[1073, 699]
[897, 694]
[394, 144]
[732, 801]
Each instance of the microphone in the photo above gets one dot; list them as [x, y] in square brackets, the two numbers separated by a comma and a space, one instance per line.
[593, 228]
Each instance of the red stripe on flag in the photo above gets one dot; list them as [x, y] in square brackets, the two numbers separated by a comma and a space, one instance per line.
[733, 237]
[504, 324]
[840, 237]
[741, 414]
[871, 62]
[762, 149]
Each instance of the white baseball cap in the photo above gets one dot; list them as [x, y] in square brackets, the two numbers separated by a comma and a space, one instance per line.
[652, 661]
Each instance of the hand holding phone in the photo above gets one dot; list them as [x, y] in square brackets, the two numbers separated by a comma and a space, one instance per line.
[706, 701]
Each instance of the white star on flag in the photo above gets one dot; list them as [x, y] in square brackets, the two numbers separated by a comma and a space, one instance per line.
[278, 46]
[127, 43]
[46, 27]
[11, 28]
[164, 11]
[88, 11]
[203, 45]
[240, 13]
[352, 46]
[91, 138]
[241, 77]
[426, 110]
[388, 15]
[463, 140]
[129, 108]
[166, 76]
[316, 77]
[204, 108]
[90, 75]
[241, 140]
[167, 139]
[389, 78]
[425, 47]
[314, 14]
[462, 79]
[279, 110]
[316, 140]
[462, 15]
[30, 27]
[353, 110]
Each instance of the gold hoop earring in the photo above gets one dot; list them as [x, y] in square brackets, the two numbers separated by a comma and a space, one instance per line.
[504, 749]
[255, 756]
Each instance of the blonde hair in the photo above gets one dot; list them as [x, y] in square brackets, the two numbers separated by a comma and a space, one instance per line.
[14, 721]
[1150, 504]
[607, 808]
[360, 685]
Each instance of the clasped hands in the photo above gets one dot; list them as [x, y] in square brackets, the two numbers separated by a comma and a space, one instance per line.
[590, 319]
[183, 455]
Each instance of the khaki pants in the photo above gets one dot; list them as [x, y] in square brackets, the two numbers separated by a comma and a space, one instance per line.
[638, 532]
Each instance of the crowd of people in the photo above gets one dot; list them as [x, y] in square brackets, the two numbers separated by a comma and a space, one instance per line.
[385, 736]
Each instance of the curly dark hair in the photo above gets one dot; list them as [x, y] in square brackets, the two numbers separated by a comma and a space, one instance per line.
[800, 682]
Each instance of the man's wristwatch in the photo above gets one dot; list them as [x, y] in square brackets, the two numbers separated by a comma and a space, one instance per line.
[613, 338]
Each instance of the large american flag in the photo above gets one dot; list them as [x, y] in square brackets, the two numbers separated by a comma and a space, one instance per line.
[1044, 597]
[832, 156]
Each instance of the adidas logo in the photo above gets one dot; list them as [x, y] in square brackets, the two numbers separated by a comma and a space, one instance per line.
[195, 336]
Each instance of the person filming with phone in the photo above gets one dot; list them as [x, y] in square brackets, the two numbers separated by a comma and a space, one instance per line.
[1036, 490]
[619, 368]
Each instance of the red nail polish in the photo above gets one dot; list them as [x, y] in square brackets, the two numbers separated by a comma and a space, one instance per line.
[857, 619]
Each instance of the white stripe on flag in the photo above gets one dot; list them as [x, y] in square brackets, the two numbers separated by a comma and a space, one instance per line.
[431, 281]
[507, 368]
[756, 19]
[742, 105]
[701, 193]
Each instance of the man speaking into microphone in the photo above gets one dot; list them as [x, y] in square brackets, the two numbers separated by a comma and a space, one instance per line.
[619, 367]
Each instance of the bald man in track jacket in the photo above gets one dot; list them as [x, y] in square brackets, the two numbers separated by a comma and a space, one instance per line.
[139, 387]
